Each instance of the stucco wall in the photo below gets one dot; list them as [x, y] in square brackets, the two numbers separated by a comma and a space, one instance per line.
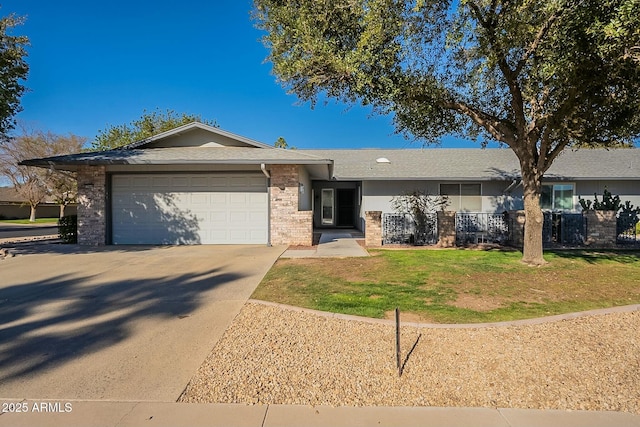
[305, 193]
[627, 190]
[377, 195]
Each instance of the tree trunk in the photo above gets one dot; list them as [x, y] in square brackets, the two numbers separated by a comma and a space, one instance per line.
[62, 206]
[532, 252]
[32, 217]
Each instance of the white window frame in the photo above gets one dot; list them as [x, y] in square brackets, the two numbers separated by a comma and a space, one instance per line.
[331, 191]
[553, 196]
[455, 201]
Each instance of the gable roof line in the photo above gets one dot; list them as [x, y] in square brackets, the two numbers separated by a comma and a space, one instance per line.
[190, 126]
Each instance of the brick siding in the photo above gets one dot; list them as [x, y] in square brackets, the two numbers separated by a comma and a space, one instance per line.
[289, 226]
[601, 228]
[373, 228]
[92, 219]
[446, 229]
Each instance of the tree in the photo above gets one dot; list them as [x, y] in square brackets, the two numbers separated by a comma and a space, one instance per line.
[34, 184]
[538, 76]
[149, 124]
[282, 143]
[63, 185]
[13, 70]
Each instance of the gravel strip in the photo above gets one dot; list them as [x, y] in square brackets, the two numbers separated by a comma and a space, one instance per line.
[273, 355]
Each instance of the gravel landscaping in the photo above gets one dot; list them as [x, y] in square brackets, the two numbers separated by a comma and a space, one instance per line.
[276, 355]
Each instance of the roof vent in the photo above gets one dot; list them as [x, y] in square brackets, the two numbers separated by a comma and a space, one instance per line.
[382, 160]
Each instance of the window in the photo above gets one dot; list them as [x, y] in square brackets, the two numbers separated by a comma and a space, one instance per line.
[557, 197]
[327, 205]
[463, 197]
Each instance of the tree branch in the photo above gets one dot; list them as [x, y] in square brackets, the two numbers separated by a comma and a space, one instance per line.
[501, 130]
[542, 32]
[510, 76]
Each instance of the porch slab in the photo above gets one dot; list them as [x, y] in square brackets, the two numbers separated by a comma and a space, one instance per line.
[331, 245]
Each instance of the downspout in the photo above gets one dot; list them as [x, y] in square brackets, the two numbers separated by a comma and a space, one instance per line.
[266, 173]
[264, 170]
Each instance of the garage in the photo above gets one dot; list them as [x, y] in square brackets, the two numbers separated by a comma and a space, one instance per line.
[189, 208]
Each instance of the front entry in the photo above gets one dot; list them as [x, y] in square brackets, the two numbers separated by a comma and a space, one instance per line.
[336, 204]
[346, 204]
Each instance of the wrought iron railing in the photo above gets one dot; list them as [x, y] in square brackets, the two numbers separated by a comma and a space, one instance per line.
[627, 229]
[401, 229]
[480, 227]
[564, 228]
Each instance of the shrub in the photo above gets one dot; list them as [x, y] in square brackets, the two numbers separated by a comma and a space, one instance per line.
[68, 228]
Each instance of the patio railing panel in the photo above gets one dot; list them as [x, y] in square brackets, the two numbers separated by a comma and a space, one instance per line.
[626, 228]
[564, 228]
[480, 227]
[400, 229]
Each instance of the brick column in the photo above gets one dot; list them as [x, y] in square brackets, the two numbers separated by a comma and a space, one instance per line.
[516, 228]
[601, 228]
[289, 226]
[373, 228]
[446, 229]
[92, 219]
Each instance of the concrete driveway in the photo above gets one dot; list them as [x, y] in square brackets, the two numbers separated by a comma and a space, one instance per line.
[118, 323]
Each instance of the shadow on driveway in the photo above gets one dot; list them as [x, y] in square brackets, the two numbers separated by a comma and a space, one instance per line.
[124, 323]
[101, 315]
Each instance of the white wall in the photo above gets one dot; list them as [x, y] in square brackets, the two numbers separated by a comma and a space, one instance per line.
[304, 199]
[377, 195]
[627, 190]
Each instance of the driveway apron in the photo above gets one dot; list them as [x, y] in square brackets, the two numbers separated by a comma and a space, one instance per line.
[118, 323]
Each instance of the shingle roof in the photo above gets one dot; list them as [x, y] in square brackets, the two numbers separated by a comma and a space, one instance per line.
[181, 155]
[477, 164]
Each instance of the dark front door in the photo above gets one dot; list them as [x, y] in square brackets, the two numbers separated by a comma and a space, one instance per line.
[346, 207]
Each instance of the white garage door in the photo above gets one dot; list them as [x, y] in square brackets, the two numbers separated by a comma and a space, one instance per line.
[189, 209]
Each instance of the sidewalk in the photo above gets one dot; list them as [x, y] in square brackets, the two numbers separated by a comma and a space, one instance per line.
[125, 414]
[331, 245]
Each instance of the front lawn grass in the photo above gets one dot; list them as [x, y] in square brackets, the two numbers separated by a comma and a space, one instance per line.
[456, 286]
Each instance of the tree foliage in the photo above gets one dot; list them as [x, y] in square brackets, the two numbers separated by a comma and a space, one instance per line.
[609, 202]
[420, 207]
[282, 143]
[538, 76]
[13, 71]
[149, 124]
[34, 184]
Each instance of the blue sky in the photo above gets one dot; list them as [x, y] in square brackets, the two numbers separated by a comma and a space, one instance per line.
[95, 64]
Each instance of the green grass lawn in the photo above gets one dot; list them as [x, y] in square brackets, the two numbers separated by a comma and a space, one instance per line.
[26, 221]
[456, 286]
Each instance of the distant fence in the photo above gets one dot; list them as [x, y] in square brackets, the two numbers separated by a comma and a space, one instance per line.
[401, 229]
[15, 211]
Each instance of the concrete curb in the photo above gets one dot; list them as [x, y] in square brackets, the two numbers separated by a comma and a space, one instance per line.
[123, 414]
[525, 322]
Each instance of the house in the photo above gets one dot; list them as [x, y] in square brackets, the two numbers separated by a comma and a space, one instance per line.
[197, 184]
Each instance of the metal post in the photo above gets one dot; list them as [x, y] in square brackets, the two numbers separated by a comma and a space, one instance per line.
[398, 341]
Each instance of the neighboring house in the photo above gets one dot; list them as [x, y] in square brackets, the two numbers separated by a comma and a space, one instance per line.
[198, 184]
[12, 206]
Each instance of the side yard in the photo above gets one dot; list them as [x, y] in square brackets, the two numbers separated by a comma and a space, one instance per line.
[456, 286]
